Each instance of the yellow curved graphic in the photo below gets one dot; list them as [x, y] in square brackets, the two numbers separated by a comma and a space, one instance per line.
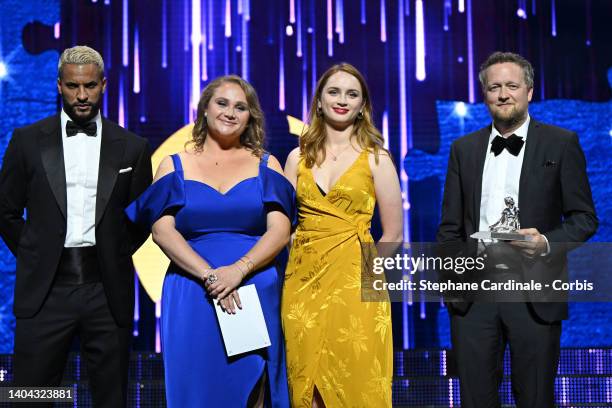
[150, 262]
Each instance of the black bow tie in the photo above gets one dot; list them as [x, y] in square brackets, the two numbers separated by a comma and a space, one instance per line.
[512, 143]
[90, 129]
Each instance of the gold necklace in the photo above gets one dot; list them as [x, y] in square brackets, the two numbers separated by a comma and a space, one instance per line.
[335, 156]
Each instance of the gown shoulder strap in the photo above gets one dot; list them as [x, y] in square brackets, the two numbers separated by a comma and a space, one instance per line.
[178, 166]
[264, 159]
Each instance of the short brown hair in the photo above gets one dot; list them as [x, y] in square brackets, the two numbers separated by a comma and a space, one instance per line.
[499, 57]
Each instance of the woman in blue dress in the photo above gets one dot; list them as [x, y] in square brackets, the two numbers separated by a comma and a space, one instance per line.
[221, 211]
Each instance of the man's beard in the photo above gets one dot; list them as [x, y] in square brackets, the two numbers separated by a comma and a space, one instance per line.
[513, 118]
[71, 111]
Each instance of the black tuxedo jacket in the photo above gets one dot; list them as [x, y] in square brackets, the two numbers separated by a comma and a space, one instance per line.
[554, 197]
[33, 178]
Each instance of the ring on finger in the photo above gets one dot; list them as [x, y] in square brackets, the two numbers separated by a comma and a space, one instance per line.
[211, 278]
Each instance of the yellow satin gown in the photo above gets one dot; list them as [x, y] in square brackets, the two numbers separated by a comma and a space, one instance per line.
[335, 341]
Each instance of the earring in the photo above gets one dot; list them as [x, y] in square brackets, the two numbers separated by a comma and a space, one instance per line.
[360, 115]
[319, 111]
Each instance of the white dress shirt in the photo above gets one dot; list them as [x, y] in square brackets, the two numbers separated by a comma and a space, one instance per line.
[500, 179]
[81, 162]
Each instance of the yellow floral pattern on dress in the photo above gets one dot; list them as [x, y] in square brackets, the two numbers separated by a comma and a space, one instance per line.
[335, 341]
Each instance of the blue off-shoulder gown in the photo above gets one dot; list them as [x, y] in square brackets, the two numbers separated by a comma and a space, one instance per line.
[221, 228]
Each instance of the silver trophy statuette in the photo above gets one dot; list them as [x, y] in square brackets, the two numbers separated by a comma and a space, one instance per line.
[506, 227]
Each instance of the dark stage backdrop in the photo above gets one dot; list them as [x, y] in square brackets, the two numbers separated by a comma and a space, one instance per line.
[420, 58]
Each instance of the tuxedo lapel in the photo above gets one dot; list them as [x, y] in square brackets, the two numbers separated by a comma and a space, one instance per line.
[52, 155]
[482, 147]
[111, 152]
[531, 149]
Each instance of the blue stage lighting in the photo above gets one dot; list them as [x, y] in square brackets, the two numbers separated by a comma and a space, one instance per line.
[461, 109]
[3, 70]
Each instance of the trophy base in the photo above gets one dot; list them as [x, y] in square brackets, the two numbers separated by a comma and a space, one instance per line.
[501, 236]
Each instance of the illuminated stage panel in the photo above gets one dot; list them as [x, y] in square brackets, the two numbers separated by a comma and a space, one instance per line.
[584, 380]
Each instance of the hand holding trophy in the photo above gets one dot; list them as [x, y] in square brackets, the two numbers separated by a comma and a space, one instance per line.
[507, 227]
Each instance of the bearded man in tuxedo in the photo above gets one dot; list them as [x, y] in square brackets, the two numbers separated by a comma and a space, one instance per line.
[73, 173]
[543, 169]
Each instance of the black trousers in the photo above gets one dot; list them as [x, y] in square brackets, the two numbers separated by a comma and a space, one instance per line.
[479, 340]
[42, 343]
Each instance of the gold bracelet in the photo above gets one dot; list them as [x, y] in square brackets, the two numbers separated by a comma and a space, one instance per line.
[243, 273]
[249, 263]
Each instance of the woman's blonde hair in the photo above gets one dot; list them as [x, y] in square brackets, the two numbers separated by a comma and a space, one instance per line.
[253, 136]
[312, 141]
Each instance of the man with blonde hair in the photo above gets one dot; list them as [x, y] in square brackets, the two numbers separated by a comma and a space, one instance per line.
[540, 171]
[73, 173]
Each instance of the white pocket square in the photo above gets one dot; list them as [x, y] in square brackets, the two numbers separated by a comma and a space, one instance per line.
[126, 170]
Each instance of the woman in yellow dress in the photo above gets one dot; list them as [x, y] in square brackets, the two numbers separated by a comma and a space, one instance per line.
[339, 348]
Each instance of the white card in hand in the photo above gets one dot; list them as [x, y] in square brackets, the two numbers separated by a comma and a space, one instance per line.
[246, 330]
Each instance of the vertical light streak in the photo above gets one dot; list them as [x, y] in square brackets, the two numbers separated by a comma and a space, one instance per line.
[196, 41]
[106, 2]
[136, 305]
[186, 36]
[420, 40]
[164, 33]
[245, 44]
[443, 363]
[471, 90]
[461, 6]
[157, 327]
[141, 108]
[56, 30]
[228, 18]
[383, 22]
[125, 34]
[304, 90]
[385, 128]
[247, 10]
[281, 72]
[299, 51]
[448, 8]
[210, 26]
[203, 42]
[239, 7]
[292, 11]
[226, 56]
[313, 53]
[403, 116]
[542, 73]
[108, 40]
[588, 23]
[554, 18]
[564, 388]
[363, 12]
[122, 109]
[533, 7]
[337, 17]
[136, 67]
[340, 21]
[330, 29]
[422, 304]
